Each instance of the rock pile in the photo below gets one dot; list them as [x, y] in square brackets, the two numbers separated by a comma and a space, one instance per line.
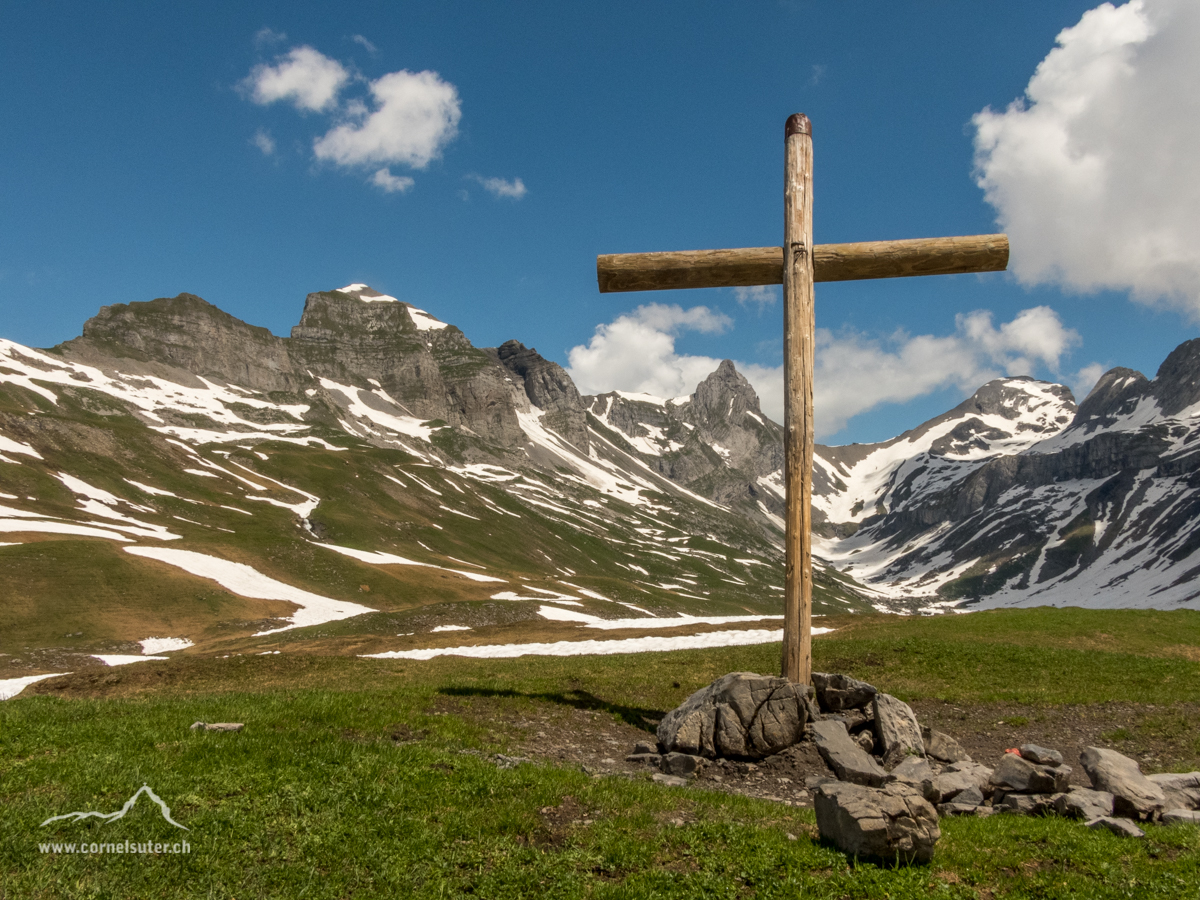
[894, 778]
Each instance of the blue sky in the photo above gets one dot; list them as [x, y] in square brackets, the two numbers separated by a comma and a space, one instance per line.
[251, 153]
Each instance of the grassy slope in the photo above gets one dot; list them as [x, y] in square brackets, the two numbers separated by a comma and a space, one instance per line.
[322, 794]
[62, 585]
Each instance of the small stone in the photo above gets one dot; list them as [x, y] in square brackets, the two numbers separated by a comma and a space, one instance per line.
[941, 746]
[866, 740]
[848, 761]
[1134, 795]
[511, 762]
[956, 809]
[669, 780]
[223, 726]
[839, 692]
[1082, 803]
[1186, 816]
[1119, 827]
[197, 726]
[1026, 804]
[647, 759]
[1041, 756]
[645, 747]
[682, 763]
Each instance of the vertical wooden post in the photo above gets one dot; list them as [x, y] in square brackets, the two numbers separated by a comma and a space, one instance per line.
[799, 327]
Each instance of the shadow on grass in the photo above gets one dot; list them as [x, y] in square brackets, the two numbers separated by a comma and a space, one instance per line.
[637, 716]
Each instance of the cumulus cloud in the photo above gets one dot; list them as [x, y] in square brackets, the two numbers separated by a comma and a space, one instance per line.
[1093, 171]
[303, 76]
[762, 295]
[263, 141]
[636, 352]
[266, 36]
[499, 187]
[854, 372]
[415, 115]
[391, 184]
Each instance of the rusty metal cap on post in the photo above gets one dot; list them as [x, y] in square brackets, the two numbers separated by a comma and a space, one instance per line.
[797, 123]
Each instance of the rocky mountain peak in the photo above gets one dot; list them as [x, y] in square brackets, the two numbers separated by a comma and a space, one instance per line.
[1116, 394]
[190, 333]
[724, 397]
[1177, 384]
[549, 388]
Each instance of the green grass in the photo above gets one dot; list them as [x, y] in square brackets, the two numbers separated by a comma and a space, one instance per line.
[349, 780]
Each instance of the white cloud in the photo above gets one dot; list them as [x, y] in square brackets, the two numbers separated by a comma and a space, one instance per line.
[304, 77]
[263, 141]
[854, 373]
[499, 187]
[416, 114]
[1093, 173]
[268, 36]
[364, 43]
[763, 295]
[636, 352]
[391, 184]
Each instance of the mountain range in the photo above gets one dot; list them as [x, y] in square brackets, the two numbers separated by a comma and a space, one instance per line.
[373, 481]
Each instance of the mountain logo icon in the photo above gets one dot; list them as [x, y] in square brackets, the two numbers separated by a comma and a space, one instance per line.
[120, 813]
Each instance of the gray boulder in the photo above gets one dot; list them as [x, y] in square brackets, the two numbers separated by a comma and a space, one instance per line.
[739, 716]
[889, 823]
[917, 772]
[897, 729]
[1041, 756]
[972, 796]
[1016, 775]
[1185, 816]
[1085, 804]
[1180, 791]
[1119, 827]
[1134, 795]
[950, 785]
[843, 755]
[981, 775]
[839, 692]
[941, 746]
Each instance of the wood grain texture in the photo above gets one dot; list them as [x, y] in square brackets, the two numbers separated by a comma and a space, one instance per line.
[799, 345]
[749, 266]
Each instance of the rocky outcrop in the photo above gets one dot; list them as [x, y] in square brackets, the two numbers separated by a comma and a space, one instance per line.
[189, 333]
[549, 388]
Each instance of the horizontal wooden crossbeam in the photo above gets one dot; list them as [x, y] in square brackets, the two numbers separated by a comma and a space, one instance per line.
[831, 262]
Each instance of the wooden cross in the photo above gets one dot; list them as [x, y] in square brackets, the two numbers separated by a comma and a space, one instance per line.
[796, 265]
